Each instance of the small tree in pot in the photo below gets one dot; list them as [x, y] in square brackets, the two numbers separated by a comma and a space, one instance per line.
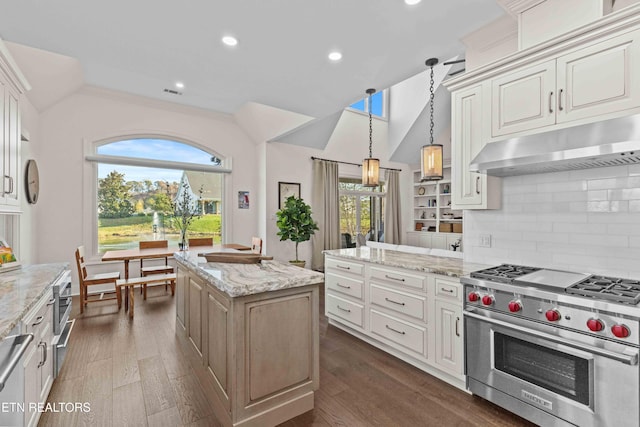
[295, 223]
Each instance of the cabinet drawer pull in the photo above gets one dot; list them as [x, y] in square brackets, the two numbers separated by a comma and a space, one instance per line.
[394, 278]
[343, 309]
[343, 286]
[343, 267]
[44, 353]
[446, 290]
[550, 101]
[51, 301]
[477, 185]
[457, 330]
[10, 185]
[394, 330]
[393, 302]
[39, 320]
[560, 108]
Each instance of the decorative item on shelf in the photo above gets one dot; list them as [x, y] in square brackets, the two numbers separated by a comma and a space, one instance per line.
[431, 155]
[431, 228]
[419, 226]
[446, 188]
[433, 215]
[421, 191]
[370, 166]
[296, 224]
[185, 210]
[423, 215]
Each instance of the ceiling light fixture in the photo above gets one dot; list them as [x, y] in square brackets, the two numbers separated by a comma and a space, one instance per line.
[431, 155]
[179, 85]
[370, 166]
[335, 56]
[412, 2]
[230, 40]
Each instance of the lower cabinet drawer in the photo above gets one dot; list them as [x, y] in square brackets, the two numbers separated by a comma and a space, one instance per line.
[410, 305]
[403, 333]
[347, 310]
[343, 266]
[448, 289]
[345, 285]
[398, 277]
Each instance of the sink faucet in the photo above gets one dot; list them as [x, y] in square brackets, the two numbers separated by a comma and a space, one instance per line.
[456, 245]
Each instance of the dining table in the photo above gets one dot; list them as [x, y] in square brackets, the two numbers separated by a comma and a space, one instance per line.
[127, 255]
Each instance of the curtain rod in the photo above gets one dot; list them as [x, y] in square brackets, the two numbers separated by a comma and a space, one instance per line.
[349, 163]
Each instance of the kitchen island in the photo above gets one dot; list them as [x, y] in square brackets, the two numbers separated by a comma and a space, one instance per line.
[250, 332]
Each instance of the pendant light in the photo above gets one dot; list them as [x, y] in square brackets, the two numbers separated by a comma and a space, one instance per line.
[431, 155]
[370, 166]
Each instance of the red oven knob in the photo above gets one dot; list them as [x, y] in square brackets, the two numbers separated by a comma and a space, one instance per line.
[515, 306]
[474, 296]
[595, 325]
[487, 300]
[620, 331]
[552, 315]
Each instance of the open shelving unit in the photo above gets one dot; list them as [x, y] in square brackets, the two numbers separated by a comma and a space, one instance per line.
[432, 212]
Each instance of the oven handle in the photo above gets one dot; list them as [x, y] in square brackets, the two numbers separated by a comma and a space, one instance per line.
[628, 359]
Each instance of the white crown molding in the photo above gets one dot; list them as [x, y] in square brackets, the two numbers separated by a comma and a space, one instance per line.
[11, 69]
[153, 103]
[515, 7]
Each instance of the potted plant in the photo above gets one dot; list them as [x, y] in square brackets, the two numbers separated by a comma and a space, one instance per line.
[295, 224]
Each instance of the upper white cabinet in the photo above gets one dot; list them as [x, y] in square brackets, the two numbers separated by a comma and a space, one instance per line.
[12, 84]
[470, 190]
[523, 99]
[599, 80]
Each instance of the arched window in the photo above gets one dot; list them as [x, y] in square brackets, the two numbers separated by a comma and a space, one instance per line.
[138, 184]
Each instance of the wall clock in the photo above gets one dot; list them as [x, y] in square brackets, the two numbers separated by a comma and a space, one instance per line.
[285, 190]
[32, 181]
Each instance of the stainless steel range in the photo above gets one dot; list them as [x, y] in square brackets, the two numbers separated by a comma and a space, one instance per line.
[556, 347]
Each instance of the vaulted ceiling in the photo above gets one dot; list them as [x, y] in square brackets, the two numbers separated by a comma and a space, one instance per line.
[145, 46]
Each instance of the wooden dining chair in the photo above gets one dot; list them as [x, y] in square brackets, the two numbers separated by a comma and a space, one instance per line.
[95, 279]
[201, 241]
[155, 269]
[256, 245]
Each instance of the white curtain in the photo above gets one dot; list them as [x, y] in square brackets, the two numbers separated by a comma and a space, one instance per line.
[326, 210]
[392, 214]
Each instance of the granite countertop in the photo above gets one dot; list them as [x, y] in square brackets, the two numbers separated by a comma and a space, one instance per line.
[246, 279]
[452, 267]
[20, 290]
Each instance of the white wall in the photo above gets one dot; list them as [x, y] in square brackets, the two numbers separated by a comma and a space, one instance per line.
[586, 221]
[291, 163]
[64, 213]
[28, 150]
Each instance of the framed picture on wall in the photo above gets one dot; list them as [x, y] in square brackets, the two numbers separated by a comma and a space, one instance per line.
[243, 200]
[286, 190]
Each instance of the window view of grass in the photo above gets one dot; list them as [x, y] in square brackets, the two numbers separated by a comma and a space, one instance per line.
[143, 203]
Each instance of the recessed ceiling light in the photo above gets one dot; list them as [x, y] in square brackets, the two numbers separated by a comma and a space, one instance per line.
[179, 85]
[230, 40]
[335, 56]
[412, 2]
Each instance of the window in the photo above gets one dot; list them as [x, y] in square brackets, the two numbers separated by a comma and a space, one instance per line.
[138, 181]
[361, 212]
[378, 104]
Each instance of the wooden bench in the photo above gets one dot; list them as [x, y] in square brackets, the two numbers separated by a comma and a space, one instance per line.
[132, 283]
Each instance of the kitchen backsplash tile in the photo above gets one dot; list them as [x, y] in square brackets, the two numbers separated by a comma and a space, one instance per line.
[585, 220]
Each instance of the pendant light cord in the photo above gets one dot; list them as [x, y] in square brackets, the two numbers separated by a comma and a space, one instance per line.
[370, 127]
[431, 107]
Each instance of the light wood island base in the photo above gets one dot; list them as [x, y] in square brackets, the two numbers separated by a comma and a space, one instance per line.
[256, 355]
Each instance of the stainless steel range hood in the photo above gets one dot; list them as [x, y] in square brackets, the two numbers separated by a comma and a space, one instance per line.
[606, 143]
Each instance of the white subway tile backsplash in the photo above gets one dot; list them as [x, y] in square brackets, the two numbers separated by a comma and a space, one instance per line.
[586, 220]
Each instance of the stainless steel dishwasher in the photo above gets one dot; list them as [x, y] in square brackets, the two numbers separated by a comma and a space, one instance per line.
[12, 351]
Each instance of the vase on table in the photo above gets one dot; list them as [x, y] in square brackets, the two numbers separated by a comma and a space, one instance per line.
[184, 243]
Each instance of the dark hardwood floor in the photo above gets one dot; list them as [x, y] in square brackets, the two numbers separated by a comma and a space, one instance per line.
[133, 373]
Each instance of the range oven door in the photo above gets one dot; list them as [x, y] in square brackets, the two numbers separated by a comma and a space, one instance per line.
[62, 307]
[574, 381]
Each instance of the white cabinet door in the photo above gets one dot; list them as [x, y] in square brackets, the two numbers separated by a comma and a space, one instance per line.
[195, 314]
[413, 238]
[449, 337]
[11, 179]
[45, 371]
[31, 380]
[599, 79]
[523, 99]
[181, 289]
[470, 190]
[439, 241]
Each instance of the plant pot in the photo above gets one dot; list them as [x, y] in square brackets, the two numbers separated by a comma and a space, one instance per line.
[298, 263]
